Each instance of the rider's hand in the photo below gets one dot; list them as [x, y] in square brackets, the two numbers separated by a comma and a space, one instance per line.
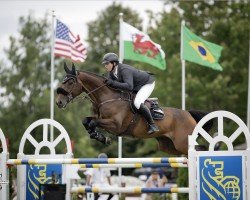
[109, 82]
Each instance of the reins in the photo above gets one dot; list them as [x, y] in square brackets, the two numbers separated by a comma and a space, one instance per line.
[87, 94]
[124, 96]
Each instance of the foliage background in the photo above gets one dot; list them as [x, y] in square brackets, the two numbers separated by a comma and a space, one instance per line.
[26, 76]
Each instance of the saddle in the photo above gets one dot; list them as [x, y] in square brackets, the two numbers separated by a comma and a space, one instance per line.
[153, 105]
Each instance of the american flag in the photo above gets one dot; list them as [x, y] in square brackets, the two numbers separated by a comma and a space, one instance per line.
[68, 45]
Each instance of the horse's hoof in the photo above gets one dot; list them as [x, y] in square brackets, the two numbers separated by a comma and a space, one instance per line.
[108, 141]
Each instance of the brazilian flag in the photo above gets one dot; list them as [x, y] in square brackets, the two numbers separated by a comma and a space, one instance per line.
[200, 51]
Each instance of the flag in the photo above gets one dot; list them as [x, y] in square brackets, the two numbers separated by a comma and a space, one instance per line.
[68, 45]
[200, 51]
[139, 47]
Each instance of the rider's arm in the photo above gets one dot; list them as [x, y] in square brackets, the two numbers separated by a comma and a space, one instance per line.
[127, 83]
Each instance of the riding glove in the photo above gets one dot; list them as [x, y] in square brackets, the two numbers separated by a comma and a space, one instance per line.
[109, 82]
[118, 85]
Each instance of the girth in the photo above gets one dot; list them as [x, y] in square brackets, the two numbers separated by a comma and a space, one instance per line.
[128, 131]
[125, 96]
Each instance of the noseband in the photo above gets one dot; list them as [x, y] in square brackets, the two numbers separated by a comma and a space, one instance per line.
[63, 91]
[69, 94]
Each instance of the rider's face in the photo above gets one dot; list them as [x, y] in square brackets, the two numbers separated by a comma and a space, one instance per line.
[109, 66]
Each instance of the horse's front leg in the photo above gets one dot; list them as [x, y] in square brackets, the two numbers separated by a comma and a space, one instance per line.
[86, 123]
[90, 125]
[109, 125]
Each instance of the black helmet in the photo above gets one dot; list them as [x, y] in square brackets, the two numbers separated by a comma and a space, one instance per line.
[110, 57]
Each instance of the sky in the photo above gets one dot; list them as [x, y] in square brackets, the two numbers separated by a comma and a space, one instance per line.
[75, 14]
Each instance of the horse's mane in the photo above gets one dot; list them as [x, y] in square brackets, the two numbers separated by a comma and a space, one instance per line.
[101, 78]
[92, 73]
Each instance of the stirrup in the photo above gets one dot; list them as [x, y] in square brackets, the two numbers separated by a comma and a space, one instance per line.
[152, 129]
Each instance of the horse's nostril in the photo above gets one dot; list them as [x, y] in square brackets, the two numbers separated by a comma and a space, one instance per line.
[58, 103]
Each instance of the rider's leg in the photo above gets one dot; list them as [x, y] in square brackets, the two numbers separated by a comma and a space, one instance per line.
[141, 96]
[143, 110]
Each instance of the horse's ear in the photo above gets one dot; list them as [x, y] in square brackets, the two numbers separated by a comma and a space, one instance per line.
[66, 68]
[73, 69]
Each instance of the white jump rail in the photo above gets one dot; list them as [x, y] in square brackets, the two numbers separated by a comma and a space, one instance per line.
[195, 159]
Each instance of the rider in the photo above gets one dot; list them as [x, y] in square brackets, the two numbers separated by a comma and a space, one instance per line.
[126, 77]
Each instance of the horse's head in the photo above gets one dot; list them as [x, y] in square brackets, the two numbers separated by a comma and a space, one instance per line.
[69, 88]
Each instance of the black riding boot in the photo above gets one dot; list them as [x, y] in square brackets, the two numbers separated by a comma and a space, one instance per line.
[147, 115]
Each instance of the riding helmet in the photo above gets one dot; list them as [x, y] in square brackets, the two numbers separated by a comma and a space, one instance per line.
[110, 57]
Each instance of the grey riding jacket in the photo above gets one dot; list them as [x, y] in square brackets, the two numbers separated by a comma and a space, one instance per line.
[130, 78]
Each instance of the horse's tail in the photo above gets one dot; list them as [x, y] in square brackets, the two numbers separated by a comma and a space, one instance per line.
[198, 115]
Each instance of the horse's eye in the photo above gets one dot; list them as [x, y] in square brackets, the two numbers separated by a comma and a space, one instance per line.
[71, 83]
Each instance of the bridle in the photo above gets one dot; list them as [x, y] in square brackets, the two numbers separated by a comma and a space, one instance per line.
[87, 93]
[124, 96]
[69, 94]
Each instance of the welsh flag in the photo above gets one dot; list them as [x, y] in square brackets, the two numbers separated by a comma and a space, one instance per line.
[139, 47]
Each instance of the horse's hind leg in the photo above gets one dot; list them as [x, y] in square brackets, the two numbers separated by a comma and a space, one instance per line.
[165, 144]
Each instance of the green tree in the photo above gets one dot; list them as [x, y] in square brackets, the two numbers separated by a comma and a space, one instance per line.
[23, 85]
[26, 83]
[103, 37]
[26, 80]
[227, 24]
[224, 23]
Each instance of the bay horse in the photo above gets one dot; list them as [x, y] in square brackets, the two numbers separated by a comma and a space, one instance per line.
[112, 112]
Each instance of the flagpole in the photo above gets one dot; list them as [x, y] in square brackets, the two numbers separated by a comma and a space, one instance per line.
[52, 74]
[121, 55]
[248, 99]
[183, 67]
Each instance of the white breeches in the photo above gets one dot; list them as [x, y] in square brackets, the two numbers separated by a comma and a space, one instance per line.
[143, 94]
